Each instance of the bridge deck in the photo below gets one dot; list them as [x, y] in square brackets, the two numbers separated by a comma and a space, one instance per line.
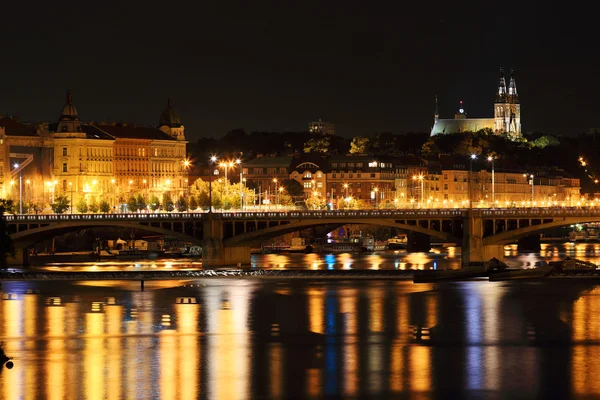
[443, 213]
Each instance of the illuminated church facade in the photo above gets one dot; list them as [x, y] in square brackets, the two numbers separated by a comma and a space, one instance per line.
[507, 113]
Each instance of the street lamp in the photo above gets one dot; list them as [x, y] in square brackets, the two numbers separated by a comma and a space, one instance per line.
[346, 187]
[212, 161]
[239, 163]
[376, 190]
[491, 159]
[275, 189]
[530, 176]
[71, 186]
[279, 194]
[422, 179]
[20, 188]
[473, 157]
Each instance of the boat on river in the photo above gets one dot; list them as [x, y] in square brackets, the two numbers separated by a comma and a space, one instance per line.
[398, 242]
[350, 245]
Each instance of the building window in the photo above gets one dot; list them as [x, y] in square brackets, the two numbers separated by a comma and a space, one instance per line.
[319, 175]
[307, 185]
[64, 167]
[359, 165]
[319, 184]
[64, 149]
[342, 165]
[358, 175]
[334, 165]
[350, 175]
[445, 186]
[445, 177]
[333, 175]
[341, 175]
[307, 175]
[333, 185]
[64, 185]
[358, 185]
[372, 175]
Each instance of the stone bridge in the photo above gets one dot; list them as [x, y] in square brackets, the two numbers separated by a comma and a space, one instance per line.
[226, 237]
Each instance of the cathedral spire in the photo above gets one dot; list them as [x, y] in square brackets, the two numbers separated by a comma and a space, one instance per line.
[501, 94]
[513, 96]
[436, 113]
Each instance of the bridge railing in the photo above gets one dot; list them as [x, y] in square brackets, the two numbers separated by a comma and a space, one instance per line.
[312, 214]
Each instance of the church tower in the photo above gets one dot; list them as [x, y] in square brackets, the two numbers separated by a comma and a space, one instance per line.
[507, 112]
[436, 113]
[514, 122]
[170, 122]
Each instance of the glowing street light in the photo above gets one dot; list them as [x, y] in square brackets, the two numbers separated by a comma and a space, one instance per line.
[530, 176]
[212, 161]
[20, 188]
[491, 159]
[422, 179]
[239, 163]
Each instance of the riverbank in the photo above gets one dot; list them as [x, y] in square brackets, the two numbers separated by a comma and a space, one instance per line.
[247, 273]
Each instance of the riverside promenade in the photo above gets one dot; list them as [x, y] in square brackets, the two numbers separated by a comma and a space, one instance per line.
[432, 275]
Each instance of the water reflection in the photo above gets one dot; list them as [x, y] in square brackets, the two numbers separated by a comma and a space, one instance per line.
[222, 339]
[442, 258]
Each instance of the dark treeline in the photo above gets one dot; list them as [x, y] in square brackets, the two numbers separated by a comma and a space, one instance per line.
[238, 141]
[532, 151]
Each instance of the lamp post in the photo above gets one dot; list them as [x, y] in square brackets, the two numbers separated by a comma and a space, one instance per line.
[71, 187]
[491, 159]
[346, 187]
[211, 163]
[20, 188]
[376, 190]
[530, 176]
[239, 163]
[278, 195]
[275, 189]
[422, 179]
[113, 181]
[473, 157]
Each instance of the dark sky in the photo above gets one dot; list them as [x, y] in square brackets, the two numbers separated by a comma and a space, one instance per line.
[366, 66]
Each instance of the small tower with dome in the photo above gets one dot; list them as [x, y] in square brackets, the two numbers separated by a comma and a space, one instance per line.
[170, 122]
[69, 119]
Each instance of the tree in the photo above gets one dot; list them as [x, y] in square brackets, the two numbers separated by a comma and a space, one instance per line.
[104, 206]
[6, 244]
[316, 203]
[317, 145]
[182, 204]
[193, 203]
[93, 207]
[154, 203]
[61, 204]
[132, 204]
[293, 187]
[82, 205]
[359, 145]
[224, 195]
[167, 202]
[8, 206]
[141, 202]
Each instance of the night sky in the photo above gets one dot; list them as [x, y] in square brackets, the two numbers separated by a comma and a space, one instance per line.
[275, 66]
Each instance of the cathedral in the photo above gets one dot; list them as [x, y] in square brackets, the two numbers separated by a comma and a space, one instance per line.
[507, 113]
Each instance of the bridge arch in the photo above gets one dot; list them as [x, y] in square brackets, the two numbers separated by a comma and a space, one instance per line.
[252, 237]
[511, 236]
[32, 236]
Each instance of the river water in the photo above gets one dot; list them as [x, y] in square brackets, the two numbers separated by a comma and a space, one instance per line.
[268, 338]
[443, 258]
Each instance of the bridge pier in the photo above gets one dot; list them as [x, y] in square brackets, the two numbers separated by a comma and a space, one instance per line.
[21, 258]
[214, 254]
[474, 251]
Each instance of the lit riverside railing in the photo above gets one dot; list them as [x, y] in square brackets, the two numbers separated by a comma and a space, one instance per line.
[326, 214]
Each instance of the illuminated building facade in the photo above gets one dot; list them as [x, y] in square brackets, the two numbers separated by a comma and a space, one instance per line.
[100, 161]
[321, 127]
[507, 113]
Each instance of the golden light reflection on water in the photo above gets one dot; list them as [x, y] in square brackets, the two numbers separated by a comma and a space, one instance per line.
[350, 339]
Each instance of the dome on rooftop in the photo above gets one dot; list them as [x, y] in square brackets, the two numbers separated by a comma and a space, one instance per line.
[170, 117]
[69, 111]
